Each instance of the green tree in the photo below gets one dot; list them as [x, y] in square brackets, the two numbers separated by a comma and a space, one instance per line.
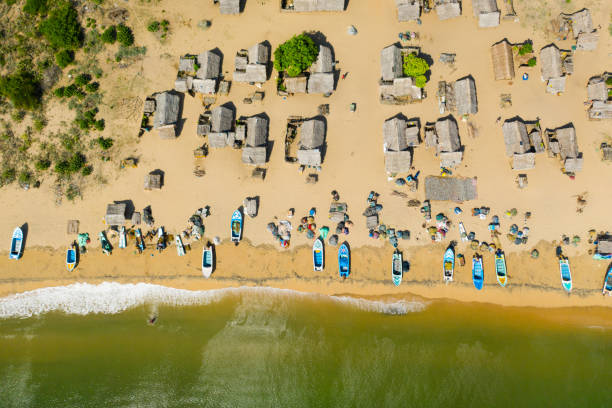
[105, 143]
[109, 35]
[35, 7]
[531, 62]
[87, 170]
[124, 35]
[42, 164]
[526, 48]
[82, 79]
[64, 58]
[76, 163]
[62, 28]
[420, 81]
[295, 55]
[22, 89]
[153, 26]
[415, 66]
[92, 87]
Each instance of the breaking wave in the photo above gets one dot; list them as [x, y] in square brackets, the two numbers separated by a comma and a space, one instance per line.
[113, 297]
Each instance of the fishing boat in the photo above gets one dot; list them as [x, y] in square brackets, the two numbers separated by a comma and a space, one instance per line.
[463, 232]
[236, 227]
[139, 240]
[71, 258]
[344, 260]
[500, 267]
[607, 286]
[397, 268]
[180, 248]
[122, 238]
[107, 249]
[566, 275]
[161, 239]
[448, 266]
[208, 261]
[477, 271]
[16, 244]
[318, 256]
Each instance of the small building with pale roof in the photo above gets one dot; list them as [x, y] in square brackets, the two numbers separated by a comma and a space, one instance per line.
[312, 137]
[312, 5]
[447, 9]
[503, 61]
[229, 6]
[465, 96]
[408, 10]
[550, 62]
[167, 111]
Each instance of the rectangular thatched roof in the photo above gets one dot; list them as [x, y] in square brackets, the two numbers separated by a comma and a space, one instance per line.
[217, 140]
[556, 85]
[581, 22]
[587, 41]
[487, 20]
[204, 86]
[535, 138]
[465, 96]
[187, 63]
[408, 10]
[240, 62]
[167, 132]
[259, 54]
[318, 5]
[309, 157]
[503, 62]
[448, 135]
[550, 61]
[597, 89]
[412, 135]
[524, 161]
[515, 137]
[391, 63]
[167, 107]
[450, 189]
[405, 87]
[448, 10]
[115, 214]
[312, 134]
[601, 110]
[222, 119]
[568, 143]
[254, 156]
[604, 244]
[250, 206]
[240, 133]
[253, 73]
[296, 84]
[483, 6]
[229, 6]
[321, 83]
[450, 159]
[398, 162]
[210, 65]
[323, 62]
[257, 131]
[394, 135]
[153, 181]
[573, 164]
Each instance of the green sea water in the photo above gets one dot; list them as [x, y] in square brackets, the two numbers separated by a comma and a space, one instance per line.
[269, 349]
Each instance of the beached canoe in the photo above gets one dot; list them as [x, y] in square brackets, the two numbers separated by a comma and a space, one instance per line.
[344, 260]
[566, 275]
[71, 258]
[318, 255]
[236, 227]
[500, 267]
[397, 268]
[208, 261]
[140, 244]
[107, 248]
[477, 271]
[448, 265]
[180, 248]
[463, 232]
[122, 238]
[161, 239]
[607, 286]
[16, 244]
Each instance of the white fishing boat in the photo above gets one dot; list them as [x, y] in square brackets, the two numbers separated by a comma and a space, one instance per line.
[180, 248]
[16, 244]
[122, 238]
[208, 261]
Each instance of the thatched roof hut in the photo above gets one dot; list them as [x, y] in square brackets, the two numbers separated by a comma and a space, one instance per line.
[252, 73]
[115, 214]
[398, 161]
[556, 86]
[167, 106]
[451, 159]
[318, 5]
[391, 63]
[600, 110]
[321, 83]
[217, 140]
[573, 164]
[487, 20]
[503, 62]
[597, 90]
[312, 134]
[222, 119]
[255, 156]
[204, 86]
[447, 134]
[187, 64]
[581, 22]
[523, 161]
[568, 143]
[412, 134]
[309, 157]
[323, 62]
[483, 6]
[550, 61]
[515, 137]
[229, 6]
[604, 245]
[450, 189]
[153, 181]
[465, 96]
[587, 41]
[296, 84]
[408, 10]
[259, 54]
[448, 9]
[394, 135]
[210, 65]
[257, 131]
[250, 206]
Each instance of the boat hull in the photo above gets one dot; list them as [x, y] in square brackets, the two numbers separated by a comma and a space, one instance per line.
[566, 275]
[500, 269]
[208, 262]
[70, 259]
[16, 244]
[607, 286]
[236, 226]
[318, 255]
[180, 248]
[344, 261]
[397, 268]
[477, 273]
[122, 238]
[448, 265]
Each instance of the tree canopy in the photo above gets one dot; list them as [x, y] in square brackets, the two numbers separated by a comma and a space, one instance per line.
[62, 29]
[295, 55]
[22, 89]
[416, 67]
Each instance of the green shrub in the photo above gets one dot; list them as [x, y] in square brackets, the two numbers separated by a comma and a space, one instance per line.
[129, 52]
[415, 66]
[18, 116]
[25, 177]
[164, 25]
[59, 92]
[7, 176]
[42, 164]
[76, 162]
[70, 91]
[92, 87]
[82, 79]
[609, 81]
[109, 35]
[87, 170]
[420, 81]
[531, 62]
[39, 124]
[105, 143]
[35, 7]
[526, 48]
[295, 55]
[153, 26]
[22, 89]
[124, 35]
[72, 192]
[62, 167]
[64, 58]
[99, 124]
[62, 28]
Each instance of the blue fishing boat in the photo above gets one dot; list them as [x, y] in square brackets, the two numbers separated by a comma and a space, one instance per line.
[448, 265]
[236, 227]
[16, 244]
[140, 244]
[318, 255]
[477, 271]
[397, 268]
[208, 261]
[500, 267]
[344, 260]
[71, 258]
[566, 275]
[607, 286]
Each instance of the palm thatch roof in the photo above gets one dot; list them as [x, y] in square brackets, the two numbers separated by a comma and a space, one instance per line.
[405, 87]
[217, 140]
[323, 62]
[604, 245]
[550, 61]
[254, 155]
[450, 189]
[597, 89]
[321, 83]
[587, 41]
[515, 137]
[257, 131]
[183, 84]
[204, 86]
[450, 159]
[210, 65]
[312, 134]
[240, 61]
[115, 214]
[408, 10]
[250, 206]
[391, 63]
[600, 110]
[503, 62]
[259, 54]
[253, 73]
[309, 157]
[398, 162]
[153, 181]
[412, 134]
[318, 5]
[447, 134]
[222, 119]
[394, 135]
[296, 84]
[167, 132]
[581, 22]
[229, 6]
[187, 64]
[465, 96]
[167, 106]
[556, 85]
[568, 143]
[483, 6]
[524, 161]
[573, 164]
[448, 9]
[490, 19]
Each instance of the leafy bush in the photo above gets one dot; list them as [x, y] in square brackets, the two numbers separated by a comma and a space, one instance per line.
[92, 87]
[164, 25]
[526, 48]
[87, 170]
[70, 91]
[153, 26]
[531, 62]
[22, 89]
[76, 162]
[72, 192]
[64, 58]
[109, 35]
[609, 81]
[42, 164]
[129, 52]
[105, 143]
[415, 66]
[124, 35]
[35, 7]
[420, 81]
[99, 124]
[295, 55]
[82, 79]
[39, 124]
[7, 176]
[59, 92]
[25, 177]
[62, 28]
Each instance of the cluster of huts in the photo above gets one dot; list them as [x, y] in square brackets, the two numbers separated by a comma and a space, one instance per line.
[251, 66]
[443, 136]
[459, 96]
[165, 107]
[580, 26]
[486, 11]
[320, 78]
[556, 66]
[312, 5]
[310, 137]
[396, 88]
[201, 73]
[599, 90]
[400, 136]
[562, 143]
[523, 140]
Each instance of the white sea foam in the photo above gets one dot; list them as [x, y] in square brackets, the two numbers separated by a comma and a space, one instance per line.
[113, 297]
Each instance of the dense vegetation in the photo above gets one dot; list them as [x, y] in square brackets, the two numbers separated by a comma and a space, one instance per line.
[416, 67]
[62, 28]
[22, 89]
[295, 55]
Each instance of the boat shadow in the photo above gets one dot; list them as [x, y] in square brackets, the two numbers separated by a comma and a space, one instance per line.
[24, 231]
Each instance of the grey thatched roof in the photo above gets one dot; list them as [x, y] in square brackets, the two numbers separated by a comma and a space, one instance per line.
[600, 110]
[450, 159]
[167, 132]
[259, 54]
[448, 10]
[405, 87]
[115, 214]
[229, 6]
[217, 140]
[321, 83]
[398, 162]
[324, 60]
[573, 164]
[487, 20]
[204, 86]
[254, 155]
[309, 157]
[391, 63]
[556, 85]
[524, 161]
[412, 135]
[515, 137]
[187, 63]
[450, 189]
[581, 22]
[597, 89]
[394, 134]
[568, 143]
[318, 5]
[152, 181]
[503, 62]
[604, 245]
[240, 61]
[222, 119]
[447, 133]
[465, 96]
[550, 61]
[408, 10]
[587, 41]
[257, 131]
[312, 134]
[183, 84]
[167, 107]
[253, 73]
[483, 6]
[296, 84]
[250, 206]
[210, 65]
[535, 138]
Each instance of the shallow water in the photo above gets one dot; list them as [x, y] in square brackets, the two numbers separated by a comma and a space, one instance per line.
[280, 348]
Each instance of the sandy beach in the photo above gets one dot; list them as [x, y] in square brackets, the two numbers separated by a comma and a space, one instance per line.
[353, 163]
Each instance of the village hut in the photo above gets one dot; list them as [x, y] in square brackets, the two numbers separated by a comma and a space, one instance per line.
[229, 6]
[317, 5]
[556, 86]
[465, 96]
[222, 119]
[581, 22]
[256, 131]
[515, 137]
[398, 161]
[323, 62]
[115, 214]
[573, 164]
[568, 143]
[321, 83]
[451, 159]
[167, 106]
[204, 86]
[259, 54]
[250, 206]
[587, 41]
[448, 9]
[255, 156]
[604, 245]
[523, 161]
[450, 189]
[153, 181]
[486, 12]
[310, 158]
[447, 134]
[597, 90]
[312, 137]
[187, 64]
[394, 134]
[503, 62]
[537, 143]
[252, 73]
[210, 65]
[550, 61]
[218, 140]
[295, 85]
[408, 10]
[601, 110]
[391, 63]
